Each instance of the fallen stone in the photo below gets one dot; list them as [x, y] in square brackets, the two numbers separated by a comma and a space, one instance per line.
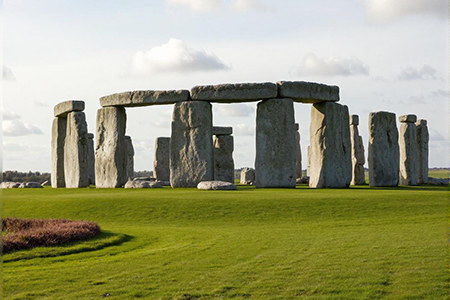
[423, 138]
[9, 185]
[384, 155]
[140, 184]
[304, 179]
[62, 109]
[408, 119]
[59, 130]
[221, 130]
[216, 185]
[234, 92]
[191, 144]
[408, 154]
[30, 185]
[330, 148]
[307, 92]
[110, 154]
[223, 158]
[144, 98]
[91, 158]
[144, 179]
[163, 183]
[161, 163]
[275, 144]
[247, 176]
[130, 157]
[46, 183]
[438, 181]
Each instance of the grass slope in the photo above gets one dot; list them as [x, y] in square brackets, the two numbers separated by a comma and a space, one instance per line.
[358, 243]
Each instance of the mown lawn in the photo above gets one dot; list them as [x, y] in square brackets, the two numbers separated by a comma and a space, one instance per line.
[357, 243]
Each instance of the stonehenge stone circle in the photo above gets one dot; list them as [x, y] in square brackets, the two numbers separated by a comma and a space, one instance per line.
[298, 153]
[247, 176]
[76, 151]
[216, 185]
[308, 161]
[223, 158]
[408, 150]
[62, 109]
[330, 152]
[144, 98]
[59, 129]
[307, 92]
[221, 130]
[384, 155]
[422, 151]
[130, 157]
[110, 153]
[91, 158]
[275, 144]
[235, 92]
[161, 163]
[191, 145]
[358, 158]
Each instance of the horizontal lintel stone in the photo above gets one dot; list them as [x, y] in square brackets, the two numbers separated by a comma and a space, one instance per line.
[308, 92]
[221, 130]
[421, 122]
[235, 92]
[144, 98]
[354, 120]
[63, 108]
[408, 119]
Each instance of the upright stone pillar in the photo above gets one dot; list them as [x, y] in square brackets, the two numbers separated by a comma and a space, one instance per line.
[223, 158]
[91, 158]
[59, 129]
[275, 144]
[408, 150]
[358, 159]
[76, 151]
[422, 151]
[298, 153]
[330, 152]
[308, 161]
[161, 163]
[383, 149]
[247, 176]
[130, 157]
[110, 154]
[191, 144]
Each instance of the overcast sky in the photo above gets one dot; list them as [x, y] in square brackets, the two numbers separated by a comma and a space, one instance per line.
[384, 55]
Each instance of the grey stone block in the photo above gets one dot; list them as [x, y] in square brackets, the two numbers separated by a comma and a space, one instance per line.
[161, 163]
[222, 130]
[144, 98]
[91, 158]
[223, 158]
[64, 108]
[234, 92]
[423, 138]
[130, 157]
[59, 130]
[308, 92]
[408, 154]
[408, 119]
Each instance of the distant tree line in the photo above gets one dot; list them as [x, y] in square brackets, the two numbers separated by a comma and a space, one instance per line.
[17, 176]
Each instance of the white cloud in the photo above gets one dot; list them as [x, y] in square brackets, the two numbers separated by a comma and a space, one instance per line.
[248, 5]
[40, 103]
[387, 10]
[9, 115]
[330, 66]
[234, 110]
[425, 73]
[16, 127]
[197, 5]
[439, 94]
[13, 147]
[242, 129]
[208, 5]
[8, 74]
[175, 56]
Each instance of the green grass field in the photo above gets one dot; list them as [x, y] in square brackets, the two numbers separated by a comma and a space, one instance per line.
[357, 243]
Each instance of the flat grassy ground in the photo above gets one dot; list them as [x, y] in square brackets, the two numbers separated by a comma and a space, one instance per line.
[357, 243]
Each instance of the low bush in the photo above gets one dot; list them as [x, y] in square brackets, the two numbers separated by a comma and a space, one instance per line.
[22, 234]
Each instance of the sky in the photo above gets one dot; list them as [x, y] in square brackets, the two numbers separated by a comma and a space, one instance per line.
[384, 55]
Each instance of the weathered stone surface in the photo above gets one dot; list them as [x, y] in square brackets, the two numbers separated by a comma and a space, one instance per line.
[408, 119]
[91, 158]
[216, 185]
[62, 109]
[130, 156]
[308, 161]
[222, 130]
[46, 183]
[275, 144]
[298, 156]
[234, 92]
[307, 92]
[358, 158]
[354, 120]
[384, 153]
[9, 185]
[30, 185]
[144, 98]
[330, 152]
[191, 145]
[223, 158]
[161, 163]
[423, 138]
[76, 151]
[304, 179]
[438, 181]
[408, 154]
[297, 127]
[141, 184]
[59, 129]
[247, 176]
[110, 154]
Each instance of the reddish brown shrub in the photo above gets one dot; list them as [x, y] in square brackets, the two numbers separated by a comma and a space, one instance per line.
[22, 234]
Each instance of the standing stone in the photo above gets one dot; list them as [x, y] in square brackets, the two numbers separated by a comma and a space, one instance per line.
[275, 144]
[110, 154]
[358, 159]
[383, 149]
[76, 151]
[422, 150]
[91, 158]
[223, 158]
[130, 157]
[408, 150]
[191, 145]
[59, 129]
[330, 152]
[308, 161]
[161, 164]
[247, 176]
[298, 153]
